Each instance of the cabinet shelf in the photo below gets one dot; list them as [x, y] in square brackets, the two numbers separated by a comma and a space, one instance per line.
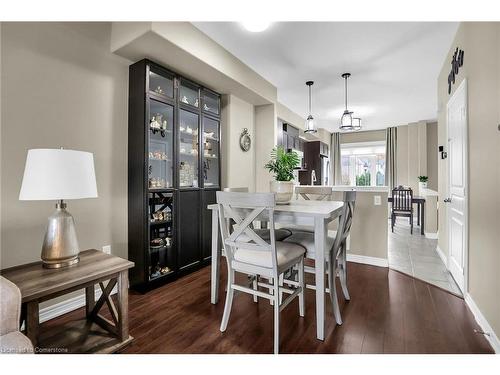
[161, 275]
[160, 222]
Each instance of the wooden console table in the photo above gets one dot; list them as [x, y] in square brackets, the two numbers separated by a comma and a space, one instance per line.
[94, 333]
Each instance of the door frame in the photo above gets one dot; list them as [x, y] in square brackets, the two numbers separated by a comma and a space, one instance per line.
[463, 86]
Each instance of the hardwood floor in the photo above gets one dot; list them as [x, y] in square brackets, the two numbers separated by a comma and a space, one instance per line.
[389, 312]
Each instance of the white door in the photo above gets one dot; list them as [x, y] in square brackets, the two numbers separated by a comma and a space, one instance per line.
[457, 184]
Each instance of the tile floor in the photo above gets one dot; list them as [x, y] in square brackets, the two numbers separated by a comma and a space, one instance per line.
[416, 256]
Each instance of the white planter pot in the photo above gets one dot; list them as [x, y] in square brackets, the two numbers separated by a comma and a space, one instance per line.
[422, 186]
[283, 190]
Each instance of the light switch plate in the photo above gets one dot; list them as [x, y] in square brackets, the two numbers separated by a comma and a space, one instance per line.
[106, 249]
[376, 200]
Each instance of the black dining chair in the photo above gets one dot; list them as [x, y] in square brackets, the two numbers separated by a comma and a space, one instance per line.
[402, 205]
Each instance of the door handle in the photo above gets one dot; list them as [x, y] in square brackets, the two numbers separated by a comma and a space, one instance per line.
[447, 200]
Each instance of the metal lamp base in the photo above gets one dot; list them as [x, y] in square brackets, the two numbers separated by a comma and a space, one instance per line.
[60, 245]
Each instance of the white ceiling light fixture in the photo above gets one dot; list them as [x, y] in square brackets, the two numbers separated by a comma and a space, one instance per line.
[347, 122]
[310, 120]
[256, 26]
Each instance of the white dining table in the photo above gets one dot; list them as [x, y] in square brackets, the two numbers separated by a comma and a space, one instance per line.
[316, 214]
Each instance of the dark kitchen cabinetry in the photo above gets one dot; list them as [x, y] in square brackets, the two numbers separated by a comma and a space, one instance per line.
[316, 163]
[174, 172]
[288, 137]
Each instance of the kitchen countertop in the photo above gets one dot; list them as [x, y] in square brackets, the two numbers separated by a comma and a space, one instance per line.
[361, 189]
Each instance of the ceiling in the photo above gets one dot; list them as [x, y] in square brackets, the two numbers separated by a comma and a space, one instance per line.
[394, 66]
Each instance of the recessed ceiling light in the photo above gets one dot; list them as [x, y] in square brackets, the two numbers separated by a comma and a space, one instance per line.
[256, 26]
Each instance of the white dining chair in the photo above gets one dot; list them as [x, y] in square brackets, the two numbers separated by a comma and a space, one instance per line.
[248, 253]
[279, 233]
[336, 255]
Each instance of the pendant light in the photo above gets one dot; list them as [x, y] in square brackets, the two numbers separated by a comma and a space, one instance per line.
[346, 119]
[356, 123]
[310, 120]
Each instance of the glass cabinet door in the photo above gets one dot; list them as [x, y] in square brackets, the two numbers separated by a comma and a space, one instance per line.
[189, 94]
[210, 139]
[161, 84]
[188, 149]
[160, 147]
[210, 102]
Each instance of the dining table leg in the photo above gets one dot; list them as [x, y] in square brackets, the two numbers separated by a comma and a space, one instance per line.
[422, 219]
[216, 254]
[320, 233]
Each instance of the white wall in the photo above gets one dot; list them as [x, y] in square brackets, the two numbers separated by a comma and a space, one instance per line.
[238, 169]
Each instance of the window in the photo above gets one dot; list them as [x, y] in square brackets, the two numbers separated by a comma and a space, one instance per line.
[363, 163]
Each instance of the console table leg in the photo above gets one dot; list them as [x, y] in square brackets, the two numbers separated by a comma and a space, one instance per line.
[123, 306]
[32, 321]
[89, 300]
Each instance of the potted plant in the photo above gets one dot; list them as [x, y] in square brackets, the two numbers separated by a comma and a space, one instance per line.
[422, 184]
[282, 164]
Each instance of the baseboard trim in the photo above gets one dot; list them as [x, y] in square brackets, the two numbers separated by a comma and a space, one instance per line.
[431, 236]
[442, 256]
[372, 261]
[64, 307]
[483, 323]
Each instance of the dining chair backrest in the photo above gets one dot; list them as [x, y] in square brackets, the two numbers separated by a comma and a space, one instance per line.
[345, 221]
[402, 199]
[319, 193]
[236, 189]
[244, 209]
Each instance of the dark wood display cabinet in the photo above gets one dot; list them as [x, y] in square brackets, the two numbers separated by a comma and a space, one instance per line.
[174, 172]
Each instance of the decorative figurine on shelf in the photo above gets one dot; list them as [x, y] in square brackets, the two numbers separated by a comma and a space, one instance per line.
[184, 99]
[206, 107]
[163, 128]
[196, 103]
[189, 130]
[159, 90]
[154, 125]
[164, 270]
[157, 243]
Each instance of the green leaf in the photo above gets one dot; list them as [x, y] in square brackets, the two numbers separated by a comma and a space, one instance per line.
[282, 163]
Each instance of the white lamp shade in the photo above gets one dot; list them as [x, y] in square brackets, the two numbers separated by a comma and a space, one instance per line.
[54, 174]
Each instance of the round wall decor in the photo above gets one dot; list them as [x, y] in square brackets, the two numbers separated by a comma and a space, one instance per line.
[245, 140]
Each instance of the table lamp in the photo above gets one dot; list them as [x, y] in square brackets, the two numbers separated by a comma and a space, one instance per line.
[58, 174]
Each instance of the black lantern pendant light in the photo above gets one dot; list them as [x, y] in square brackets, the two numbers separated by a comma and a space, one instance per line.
[310, 120]
[346, 119]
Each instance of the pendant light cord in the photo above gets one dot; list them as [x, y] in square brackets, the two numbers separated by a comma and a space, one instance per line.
[346, 93]
[310, 101]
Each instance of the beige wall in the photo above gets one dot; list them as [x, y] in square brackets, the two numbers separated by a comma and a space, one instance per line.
[432, 155]
[266, 133]
[366, 136]
[411, 154]
[481, 43]
[62, 87]
[238, 170]
[369, 226]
